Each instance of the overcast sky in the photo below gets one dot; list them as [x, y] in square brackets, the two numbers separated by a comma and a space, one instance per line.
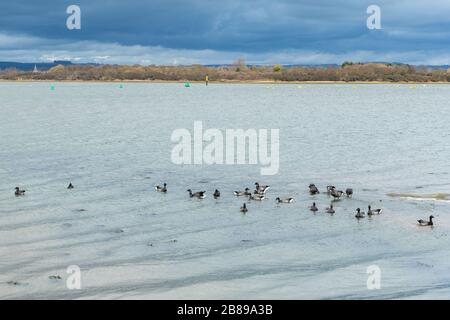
[211, 31]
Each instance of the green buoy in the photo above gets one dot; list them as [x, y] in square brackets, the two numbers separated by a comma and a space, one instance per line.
[52, 87]
[187, 85]
[121, 86]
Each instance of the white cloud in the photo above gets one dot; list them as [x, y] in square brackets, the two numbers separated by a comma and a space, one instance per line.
[31, 49]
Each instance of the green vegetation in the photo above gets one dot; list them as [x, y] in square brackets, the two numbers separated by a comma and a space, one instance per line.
[277, 68]
[238, 71]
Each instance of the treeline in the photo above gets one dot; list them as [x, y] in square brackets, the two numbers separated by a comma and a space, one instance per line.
[348, 72]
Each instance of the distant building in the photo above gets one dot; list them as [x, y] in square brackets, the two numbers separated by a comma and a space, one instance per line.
[35, 70]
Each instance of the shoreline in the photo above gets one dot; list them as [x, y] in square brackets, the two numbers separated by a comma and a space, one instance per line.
[224, 81]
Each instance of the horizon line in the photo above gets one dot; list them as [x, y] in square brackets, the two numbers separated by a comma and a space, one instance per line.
[70, 62]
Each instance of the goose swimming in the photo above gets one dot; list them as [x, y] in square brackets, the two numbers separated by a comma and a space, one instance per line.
[257, 197]
[286, 200]
[70, 186]
[216, 194]
[246, 192]
[330, 189]
[349, 192]
[19, 192]
[359, 214]
[199, 195]
[161, 189]
[372, 212]
[336, 194]
[244, 208]
[313, 189]
[260, 193]
[424, 223]
[313, 208]
[330, 209]
[260, 188]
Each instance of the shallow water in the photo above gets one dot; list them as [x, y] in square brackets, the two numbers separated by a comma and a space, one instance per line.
[114, 145]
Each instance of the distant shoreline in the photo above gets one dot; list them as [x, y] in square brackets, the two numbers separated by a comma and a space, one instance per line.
[349, 72]
[262, 82]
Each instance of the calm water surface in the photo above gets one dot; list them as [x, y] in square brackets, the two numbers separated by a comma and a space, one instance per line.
[114, 145]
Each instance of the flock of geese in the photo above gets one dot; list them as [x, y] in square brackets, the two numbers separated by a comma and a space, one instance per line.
[259, 194]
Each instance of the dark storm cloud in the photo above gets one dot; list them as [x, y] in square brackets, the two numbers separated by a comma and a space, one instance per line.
[250, 26]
